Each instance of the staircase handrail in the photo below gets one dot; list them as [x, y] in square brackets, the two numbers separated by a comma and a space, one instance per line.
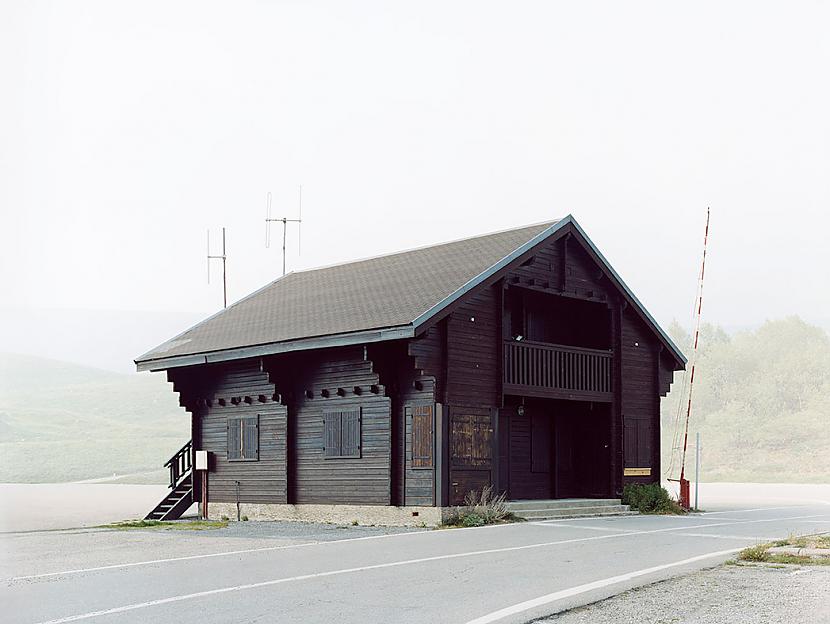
[180, 464]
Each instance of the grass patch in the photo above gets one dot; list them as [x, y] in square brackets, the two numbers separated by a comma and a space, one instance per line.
[760, 553]
[184, 525]
[650, 498]
[480, 508]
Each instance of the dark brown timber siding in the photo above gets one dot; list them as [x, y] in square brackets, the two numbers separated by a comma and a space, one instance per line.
[409, 369]
[328, 381]
[473, 392]
[640, 398]
[246, 391]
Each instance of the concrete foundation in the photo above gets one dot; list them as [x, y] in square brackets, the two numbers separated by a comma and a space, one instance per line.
[338, 514]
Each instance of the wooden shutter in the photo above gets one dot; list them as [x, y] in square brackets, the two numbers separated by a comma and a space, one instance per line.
[341, 433]
[250, 438]
[350, 433]
[422, 435]
[461, 437]
[637, 443]
[472, 439]
[482, 439]
[234, 438]
[331, 434]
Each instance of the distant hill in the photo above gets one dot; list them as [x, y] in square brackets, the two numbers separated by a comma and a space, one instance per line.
[761, 403]
[65, 422]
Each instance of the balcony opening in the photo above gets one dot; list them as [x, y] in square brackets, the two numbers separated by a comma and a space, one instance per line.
[553, 319]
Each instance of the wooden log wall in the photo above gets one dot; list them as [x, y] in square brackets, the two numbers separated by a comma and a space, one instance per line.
[645, 378]
[410, 371]
[335, 380]
[240, 389]
[562, 266]
[473, 392]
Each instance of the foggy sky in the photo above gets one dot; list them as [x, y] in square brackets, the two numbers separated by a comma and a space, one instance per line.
[127, 129]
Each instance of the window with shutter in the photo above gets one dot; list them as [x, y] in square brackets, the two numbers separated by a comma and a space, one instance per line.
[422, 419]
[637, 443]
[341, 434]
[234, 439]
[471, 439]
[243, 438]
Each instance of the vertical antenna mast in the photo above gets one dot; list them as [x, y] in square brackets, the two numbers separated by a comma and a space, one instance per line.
[285, 221]
[223, 258]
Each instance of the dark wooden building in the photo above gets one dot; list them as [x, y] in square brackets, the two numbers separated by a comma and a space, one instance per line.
[519, 360]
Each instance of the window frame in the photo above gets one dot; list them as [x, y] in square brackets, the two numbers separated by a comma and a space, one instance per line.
[242, 423]
[341, 416]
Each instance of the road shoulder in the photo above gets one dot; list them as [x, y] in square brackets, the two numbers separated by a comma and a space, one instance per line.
[734, 594]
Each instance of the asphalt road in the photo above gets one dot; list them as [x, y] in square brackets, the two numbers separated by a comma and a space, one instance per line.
[507, 573]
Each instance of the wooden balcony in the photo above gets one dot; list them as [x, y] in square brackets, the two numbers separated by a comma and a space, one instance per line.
[554, 371]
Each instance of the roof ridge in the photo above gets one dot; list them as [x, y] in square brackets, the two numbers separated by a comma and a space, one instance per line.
[423, 247]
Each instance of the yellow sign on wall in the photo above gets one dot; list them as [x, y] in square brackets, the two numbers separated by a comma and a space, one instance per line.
[637, 472]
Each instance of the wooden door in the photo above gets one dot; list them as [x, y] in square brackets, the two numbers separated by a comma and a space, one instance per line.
[471, 451]
[565, 475]
[582, 455]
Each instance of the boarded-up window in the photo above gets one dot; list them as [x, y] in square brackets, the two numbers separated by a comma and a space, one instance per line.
[341, 434]
[422, 432]
[243, 438]
[637, 443]
[472, 438]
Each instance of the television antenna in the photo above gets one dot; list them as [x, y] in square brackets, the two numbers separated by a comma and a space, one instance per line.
[285, 221]
[223, 258]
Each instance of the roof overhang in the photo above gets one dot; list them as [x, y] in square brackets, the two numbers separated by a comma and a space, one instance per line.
[274, 348]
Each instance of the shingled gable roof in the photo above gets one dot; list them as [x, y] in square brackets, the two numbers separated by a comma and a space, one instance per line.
[382, 298]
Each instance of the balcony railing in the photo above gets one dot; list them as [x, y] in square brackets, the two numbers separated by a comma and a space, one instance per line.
[541, 369]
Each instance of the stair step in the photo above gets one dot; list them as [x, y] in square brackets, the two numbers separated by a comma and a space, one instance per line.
[573, 511]
[612, 514]
[563, 503]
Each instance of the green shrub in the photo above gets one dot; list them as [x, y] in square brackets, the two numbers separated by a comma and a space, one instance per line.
[480, 508]
[472, 520]
[757, 553]
[650, 498]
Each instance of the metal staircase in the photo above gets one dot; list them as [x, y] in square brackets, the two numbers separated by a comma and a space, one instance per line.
[180, 497]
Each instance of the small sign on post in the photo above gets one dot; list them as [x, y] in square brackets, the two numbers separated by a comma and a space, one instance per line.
[201, 462]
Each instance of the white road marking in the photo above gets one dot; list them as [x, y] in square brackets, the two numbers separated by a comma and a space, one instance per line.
[586, 527]
[581, 589]
[371, 537]
[224, 554]
[392, 564]
[155, 561]
[377, 566]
